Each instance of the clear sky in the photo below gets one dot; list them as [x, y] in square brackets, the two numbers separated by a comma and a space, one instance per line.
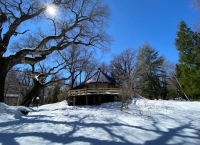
[134, 22]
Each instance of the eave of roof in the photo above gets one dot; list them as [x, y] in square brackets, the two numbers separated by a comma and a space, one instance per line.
[100, 77]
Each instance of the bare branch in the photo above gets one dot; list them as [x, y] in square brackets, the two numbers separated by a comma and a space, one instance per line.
[16, 33]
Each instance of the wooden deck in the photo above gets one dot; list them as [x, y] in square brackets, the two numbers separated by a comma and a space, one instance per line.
[90, 91]
[93, 96]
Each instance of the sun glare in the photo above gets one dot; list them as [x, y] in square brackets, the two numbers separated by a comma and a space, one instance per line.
[51, 10]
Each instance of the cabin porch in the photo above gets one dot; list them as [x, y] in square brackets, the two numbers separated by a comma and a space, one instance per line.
[92, 96]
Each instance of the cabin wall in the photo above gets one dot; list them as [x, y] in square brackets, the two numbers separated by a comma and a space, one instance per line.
[93, 99]
[13, 101]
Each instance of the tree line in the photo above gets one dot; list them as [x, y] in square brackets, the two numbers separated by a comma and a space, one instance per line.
[152, 76]
[58, 53]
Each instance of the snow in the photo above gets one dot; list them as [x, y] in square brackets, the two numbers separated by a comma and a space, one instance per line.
[148, 122]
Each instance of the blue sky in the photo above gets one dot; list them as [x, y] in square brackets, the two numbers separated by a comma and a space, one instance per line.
[134, 22]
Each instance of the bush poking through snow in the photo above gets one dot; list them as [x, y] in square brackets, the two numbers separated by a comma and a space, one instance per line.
[21, 111]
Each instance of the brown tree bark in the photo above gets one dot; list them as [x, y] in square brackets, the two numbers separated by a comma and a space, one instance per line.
[3, 73]
[2, 85]
[33, 92]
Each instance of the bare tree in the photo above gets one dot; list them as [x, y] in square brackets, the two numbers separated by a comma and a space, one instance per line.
[27, 29]
[17, 82]
[43, 76]
[90, 69]
[104, 67]
[12, 84]
[68, 67]
[124, 64]
[77, 61]
[195, 4]
[174, 84]
[127, 91]
[17, 78]
[124, 69]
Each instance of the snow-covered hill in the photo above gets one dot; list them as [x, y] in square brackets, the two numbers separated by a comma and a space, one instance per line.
[145, 122]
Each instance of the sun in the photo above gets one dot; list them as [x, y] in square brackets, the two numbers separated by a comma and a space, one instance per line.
[51, 10]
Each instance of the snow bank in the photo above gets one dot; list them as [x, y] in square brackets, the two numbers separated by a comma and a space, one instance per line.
[6, 109]
[16, 111]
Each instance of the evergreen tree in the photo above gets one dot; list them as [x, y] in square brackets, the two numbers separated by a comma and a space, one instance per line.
[188, 70]
[151, 80]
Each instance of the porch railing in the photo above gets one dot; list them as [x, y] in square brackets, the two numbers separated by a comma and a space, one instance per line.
[90, 91]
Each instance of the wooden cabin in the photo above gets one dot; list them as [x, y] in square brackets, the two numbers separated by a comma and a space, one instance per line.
[12, 99]
[98, 89]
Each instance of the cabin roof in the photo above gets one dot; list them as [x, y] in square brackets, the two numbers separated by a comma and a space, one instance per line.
[100, 77]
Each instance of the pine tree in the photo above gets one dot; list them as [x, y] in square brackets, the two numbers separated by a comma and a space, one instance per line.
[150, 64]
[188, 70]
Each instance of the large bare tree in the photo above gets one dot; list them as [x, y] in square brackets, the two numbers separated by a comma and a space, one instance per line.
[77, 60]
[123, 66]
[42, 77]
[124, 69]
[69, 66]
[31, 33]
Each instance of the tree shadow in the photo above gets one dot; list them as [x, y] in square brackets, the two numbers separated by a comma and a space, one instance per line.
[116, 137]
[9, 138]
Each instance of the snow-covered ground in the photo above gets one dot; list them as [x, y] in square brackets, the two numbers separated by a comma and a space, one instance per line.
[145, 122]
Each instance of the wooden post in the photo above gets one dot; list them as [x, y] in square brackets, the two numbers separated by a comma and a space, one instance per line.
[74, 101]
[86, 100]
[93, 100]
[18, 100]
[99, 99]
[69, 101]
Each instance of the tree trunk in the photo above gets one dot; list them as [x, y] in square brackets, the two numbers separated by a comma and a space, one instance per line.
[73, 81]
[3, 73]
[2, 84]
[32, 93]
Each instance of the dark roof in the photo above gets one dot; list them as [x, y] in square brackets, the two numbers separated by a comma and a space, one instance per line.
[100, 77]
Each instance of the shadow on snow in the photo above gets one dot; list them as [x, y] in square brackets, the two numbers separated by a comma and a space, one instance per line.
[116, 138]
